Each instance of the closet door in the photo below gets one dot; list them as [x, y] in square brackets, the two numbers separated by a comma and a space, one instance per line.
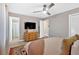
[73, 24]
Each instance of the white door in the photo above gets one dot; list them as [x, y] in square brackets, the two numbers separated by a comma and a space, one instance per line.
[46, 28]
[41, 28]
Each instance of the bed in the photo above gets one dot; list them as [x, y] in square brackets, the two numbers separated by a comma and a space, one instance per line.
[45, 46]
[51, 46]
[48, 46]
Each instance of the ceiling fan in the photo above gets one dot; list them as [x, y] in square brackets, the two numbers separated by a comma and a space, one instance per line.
[45, 9]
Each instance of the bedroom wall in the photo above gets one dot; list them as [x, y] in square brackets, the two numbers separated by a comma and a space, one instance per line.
[59, 24]
[24, 19]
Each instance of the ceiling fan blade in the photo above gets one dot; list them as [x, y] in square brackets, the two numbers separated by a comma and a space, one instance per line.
[36, 11]
[52, 4]
[48, 13]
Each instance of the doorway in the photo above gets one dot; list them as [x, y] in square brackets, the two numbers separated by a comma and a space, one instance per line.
[73, 24]
[14, 28]
[44, 28]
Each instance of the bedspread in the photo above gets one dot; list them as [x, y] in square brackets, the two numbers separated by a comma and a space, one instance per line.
[45, 46]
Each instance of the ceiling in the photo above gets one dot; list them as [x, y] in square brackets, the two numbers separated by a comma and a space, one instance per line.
[28, 8]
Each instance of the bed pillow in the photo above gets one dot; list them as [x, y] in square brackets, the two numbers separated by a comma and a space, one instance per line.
[67, 44]
[75, 48]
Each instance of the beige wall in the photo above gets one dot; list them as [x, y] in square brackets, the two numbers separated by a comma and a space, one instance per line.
[59, 24]
[24, 19]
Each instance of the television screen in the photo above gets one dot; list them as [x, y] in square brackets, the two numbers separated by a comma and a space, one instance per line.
[30, 25]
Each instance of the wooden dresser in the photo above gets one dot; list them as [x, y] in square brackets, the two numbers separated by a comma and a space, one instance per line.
[30, 36]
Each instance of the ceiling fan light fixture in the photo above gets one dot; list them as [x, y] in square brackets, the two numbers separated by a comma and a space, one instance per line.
[44, 12]
[46, 9]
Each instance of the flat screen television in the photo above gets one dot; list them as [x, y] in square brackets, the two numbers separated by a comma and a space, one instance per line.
[30, 25]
